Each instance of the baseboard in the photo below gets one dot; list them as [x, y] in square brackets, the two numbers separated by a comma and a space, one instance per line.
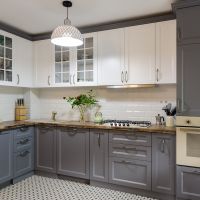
[20, 178]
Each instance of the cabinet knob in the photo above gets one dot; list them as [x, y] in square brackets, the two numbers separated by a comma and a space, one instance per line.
[188, 121]
[18, 79]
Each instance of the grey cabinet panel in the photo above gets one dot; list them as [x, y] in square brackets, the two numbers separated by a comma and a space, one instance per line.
[188, 183]
[188, 80]
[46, 148]
[130, 138]
[130, 151]
[99, 155]
[131, 173]
[23, 162]
[73, 152]
[6, 156]
[163, 163]
[188, 24]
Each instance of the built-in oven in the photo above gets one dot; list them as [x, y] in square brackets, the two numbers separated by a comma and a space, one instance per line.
[188, 141]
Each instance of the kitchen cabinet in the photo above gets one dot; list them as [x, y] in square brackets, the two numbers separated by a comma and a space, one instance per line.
[130, 159]
[111, 57]
[6, 156]
[23, 151]
[99, 155]
[188, 181]
[46, 149]
[188, 30]
[131, 173]
[166, 52]
[73, 152]
[15, 60]
[163, 163]
[140, 54]
[77, 66]
[43, 63]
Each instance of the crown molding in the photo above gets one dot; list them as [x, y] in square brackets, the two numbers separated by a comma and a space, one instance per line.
[94, 28]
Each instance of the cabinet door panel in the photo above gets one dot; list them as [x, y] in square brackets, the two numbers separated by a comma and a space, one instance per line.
[166, 52]
[131, 173]
[188, 97]
[188, 182]
[110, 57]
[99, 155]
[6, 156]
[163, 163]
[46, 149]
[140, 54]
[73, 153]
[188, 25]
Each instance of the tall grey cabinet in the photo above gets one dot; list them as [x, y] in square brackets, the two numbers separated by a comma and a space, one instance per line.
[188, 59]
[46, 149]
[73, 152]
[163, 163]
[6, 156]
[99, 155]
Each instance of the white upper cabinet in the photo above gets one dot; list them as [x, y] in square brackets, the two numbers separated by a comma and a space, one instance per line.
[16, 63]
[166, 52]
[110, 57]
[43, 63]
[140, 54]
[76, 66]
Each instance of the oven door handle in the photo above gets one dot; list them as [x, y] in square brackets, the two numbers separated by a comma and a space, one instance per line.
[190, 129]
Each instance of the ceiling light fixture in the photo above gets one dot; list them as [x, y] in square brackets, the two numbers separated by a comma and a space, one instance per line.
[67, 35]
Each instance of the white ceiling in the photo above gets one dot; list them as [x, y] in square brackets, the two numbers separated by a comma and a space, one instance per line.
[38, 16]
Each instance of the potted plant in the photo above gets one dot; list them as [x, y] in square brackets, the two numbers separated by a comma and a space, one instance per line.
[82, 102]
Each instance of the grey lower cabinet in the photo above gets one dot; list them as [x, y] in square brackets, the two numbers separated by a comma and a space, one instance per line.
[45, 151]
[163, 163]
[130, 159]
[188, 183]
[99, 155]
[23, 151]
[6, 156]
[129, 172]
[73, 152]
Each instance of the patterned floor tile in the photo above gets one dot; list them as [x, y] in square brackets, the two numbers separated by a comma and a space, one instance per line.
[43, 188]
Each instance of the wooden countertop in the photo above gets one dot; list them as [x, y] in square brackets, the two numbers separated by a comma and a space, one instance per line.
[17, 124]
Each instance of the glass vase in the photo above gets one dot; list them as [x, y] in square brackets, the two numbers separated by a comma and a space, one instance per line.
[82, 110]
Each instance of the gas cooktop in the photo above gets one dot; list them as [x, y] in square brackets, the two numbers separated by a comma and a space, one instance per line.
[127, 123]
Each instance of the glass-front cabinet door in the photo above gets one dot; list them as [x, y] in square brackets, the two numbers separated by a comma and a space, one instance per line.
[86, 61]
[62, 65]
[5, 59]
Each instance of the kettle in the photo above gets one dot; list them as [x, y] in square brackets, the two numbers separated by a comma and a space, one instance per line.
[98, 117]
[159, 120]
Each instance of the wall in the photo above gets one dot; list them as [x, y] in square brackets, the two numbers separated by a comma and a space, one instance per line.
[8, 96]
[131, 104]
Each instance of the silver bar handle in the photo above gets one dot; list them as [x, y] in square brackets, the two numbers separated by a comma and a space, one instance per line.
[49, 81]
[99, 140]
[157, 74]
[74, 79]
[18, 79]
[122, 77]
[126, 76]
[162, 149]
[179, 33]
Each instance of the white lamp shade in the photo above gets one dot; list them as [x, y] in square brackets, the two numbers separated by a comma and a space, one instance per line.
[67, 35]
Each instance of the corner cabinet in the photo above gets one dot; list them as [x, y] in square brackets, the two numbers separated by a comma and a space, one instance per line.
[76, 66]
[6, 156]
[163, 163]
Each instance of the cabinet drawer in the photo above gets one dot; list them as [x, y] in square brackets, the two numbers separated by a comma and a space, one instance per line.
[130, 151]
[188, 183]
[130, 138]
[23, 142]
[23, 162]
[136, 174]
[23, 132]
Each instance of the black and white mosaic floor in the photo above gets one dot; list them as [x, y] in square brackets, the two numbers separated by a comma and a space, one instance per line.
[42, 188]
